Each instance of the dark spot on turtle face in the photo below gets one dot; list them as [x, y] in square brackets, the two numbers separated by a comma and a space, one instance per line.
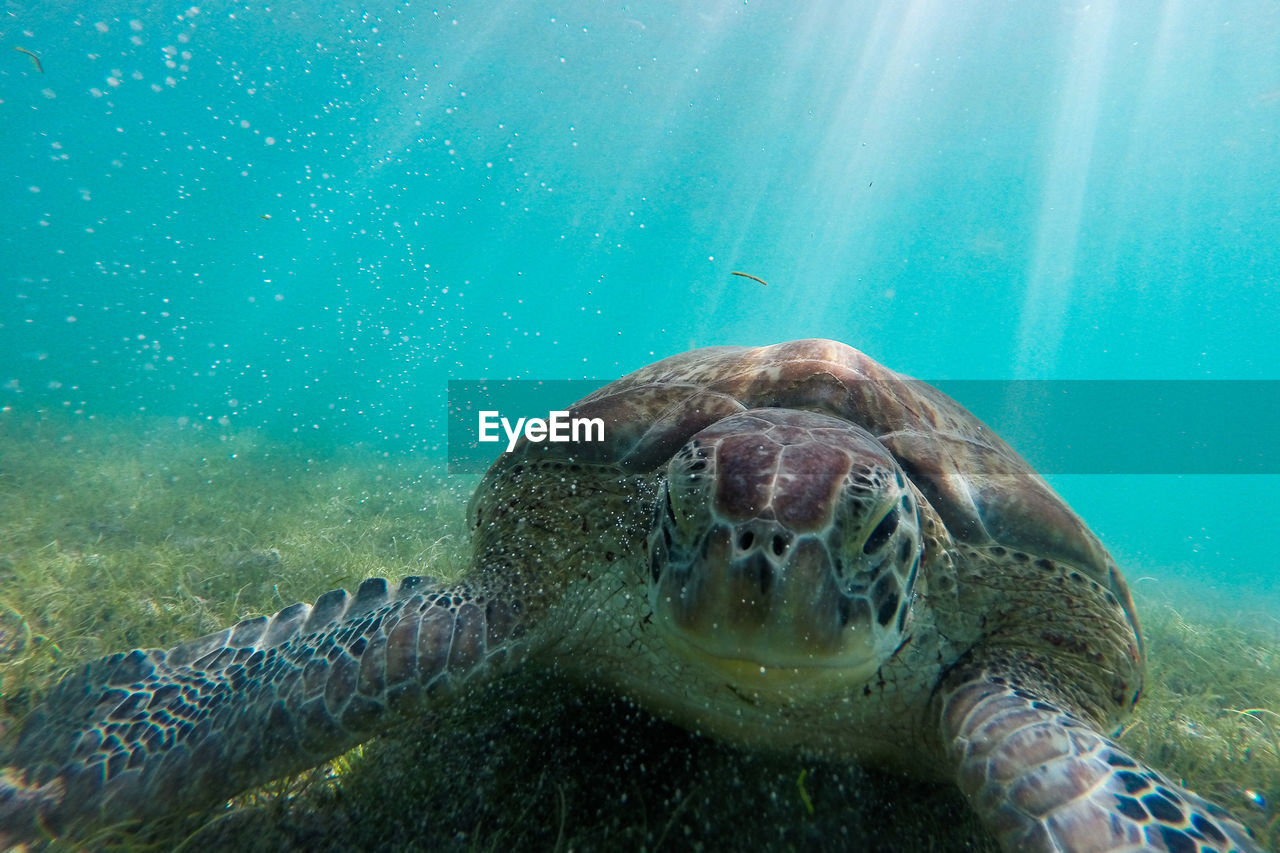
[887, 609]
[852, 610]
[778, 545]
[746, 539]
[904, 551]
[911, 576]
[1131, 808]
[880, 535]
[902, 618]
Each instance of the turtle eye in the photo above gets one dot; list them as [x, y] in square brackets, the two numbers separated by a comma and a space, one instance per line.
[881, 534]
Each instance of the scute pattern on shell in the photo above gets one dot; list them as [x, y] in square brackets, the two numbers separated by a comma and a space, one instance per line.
[983, 490]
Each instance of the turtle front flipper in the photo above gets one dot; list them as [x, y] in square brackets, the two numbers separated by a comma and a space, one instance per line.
[153, 732]
[1044, 780]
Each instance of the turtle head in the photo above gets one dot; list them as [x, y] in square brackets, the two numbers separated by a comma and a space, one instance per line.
[784, 551]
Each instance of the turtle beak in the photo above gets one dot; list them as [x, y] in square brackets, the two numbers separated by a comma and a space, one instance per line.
[758, 593]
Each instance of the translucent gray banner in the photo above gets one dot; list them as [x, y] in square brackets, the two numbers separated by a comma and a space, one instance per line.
[1059, 426]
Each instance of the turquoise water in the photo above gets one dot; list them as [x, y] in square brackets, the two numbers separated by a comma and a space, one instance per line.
[301, 221]
[309, 217]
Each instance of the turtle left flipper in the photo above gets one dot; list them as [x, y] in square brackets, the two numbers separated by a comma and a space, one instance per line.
[1044, 780]
[152, 732]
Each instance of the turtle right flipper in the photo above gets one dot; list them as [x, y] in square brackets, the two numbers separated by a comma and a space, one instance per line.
[1044, 781]
[152, 732]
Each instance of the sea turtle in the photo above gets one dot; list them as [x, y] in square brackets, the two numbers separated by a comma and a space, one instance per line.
[789, 547]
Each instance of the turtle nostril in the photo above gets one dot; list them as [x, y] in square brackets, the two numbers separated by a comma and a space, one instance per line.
[779, 545]
[745, 539]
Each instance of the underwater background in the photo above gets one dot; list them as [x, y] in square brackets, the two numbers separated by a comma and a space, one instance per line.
[298, 221]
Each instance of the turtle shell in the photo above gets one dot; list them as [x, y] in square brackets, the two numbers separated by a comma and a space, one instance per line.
[985, 493]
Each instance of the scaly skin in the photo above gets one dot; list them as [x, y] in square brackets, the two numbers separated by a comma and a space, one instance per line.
[159, 732]
[1044, 780]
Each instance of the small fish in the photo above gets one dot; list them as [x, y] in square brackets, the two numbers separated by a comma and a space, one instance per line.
[34, 58]
[804, 795]
[750, 276]
[266, 216]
